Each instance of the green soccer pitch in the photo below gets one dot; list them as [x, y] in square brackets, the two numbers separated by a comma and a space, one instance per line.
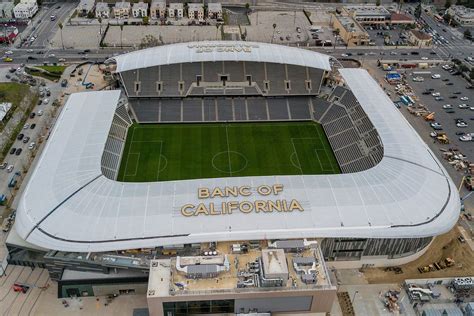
[165, 152]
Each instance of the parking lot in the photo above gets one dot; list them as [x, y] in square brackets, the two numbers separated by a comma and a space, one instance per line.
[287, 22]
[451, 89]
[132, 34]
[447, 120]
[394, 34]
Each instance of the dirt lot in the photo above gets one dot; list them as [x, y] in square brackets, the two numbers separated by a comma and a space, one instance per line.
[443, 246]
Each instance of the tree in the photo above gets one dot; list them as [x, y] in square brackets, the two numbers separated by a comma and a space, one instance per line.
[247, 7]
[145, 20]
[447, 4]
[274, 27]
[463, 68]
[467, 34]
[121, 31]
[90, 15]
[471, 74]
[400, 5]
[60, 25]
[149, 41]
[217, 31]
[377, 3]
[417, 13]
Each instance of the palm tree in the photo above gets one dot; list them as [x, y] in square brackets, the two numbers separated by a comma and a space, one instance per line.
[100, 23]
[61, 28]
[274, 27]
[121, 30]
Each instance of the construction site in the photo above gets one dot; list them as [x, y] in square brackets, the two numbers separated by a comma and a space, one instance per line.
[447, 256]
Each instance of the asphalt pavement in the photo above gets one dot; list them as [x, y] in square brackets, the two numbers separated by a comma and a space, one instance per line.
[457, 46]
[447, 120]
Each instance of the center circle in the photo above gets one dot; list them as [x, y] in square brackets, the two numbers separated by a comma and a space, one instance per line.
[229, 162]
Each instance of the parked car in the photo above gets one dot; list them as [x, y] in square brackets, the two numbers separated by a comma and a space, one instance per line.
[12, 151]
[26, 139]
[40, 112]
[436, 126]
[32, 146]
[463, 106]
[18, 151]
[20, 136]
[436, 76]
[26, 126]
[10, 168]
[447, 106]
[32, 115]
[3, 165]
[463, 98]
[33, 126]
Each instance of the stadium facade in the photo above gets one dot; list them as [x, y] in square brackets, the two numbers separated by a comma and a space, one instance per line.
[392, 196]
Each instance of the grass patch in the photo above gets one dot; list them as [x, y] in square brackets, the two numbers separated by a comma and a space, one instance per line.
[19, 127]
[46, 75]
[164, 152]
[12, 92]
[58, 70]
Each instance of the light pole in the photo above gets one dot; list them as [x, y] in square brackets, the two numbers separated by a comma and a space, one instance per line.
[354, 296]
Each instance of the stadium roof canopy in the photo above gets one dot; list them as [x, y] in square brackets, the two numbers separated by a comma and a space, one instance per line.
[69, 205]
[220, 51]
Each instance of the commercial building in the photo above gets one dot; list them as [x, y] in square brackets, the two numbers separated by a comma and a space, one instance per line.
[6, 10]
[26, 9]
[175, 10]
[398, 19]
[266, 281]
[122, 10]
[419, 38]
[102, 10]
[349, 30]
[462, 15]
[370, 14]
[158, 9]
[196, 11]
[140, 9]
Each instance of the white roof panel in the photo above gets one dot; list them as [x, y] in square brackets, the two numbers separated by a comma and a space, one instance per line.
[220, 51]
[69, 205]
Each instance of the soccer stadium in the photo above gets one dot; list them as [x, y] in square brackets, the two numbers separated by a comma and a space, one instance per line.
[231, 141]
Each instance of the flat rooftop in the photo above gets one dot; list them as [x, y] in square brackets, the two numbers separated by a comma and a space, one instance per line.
[166, 280]
[368, 10]
[350, 24]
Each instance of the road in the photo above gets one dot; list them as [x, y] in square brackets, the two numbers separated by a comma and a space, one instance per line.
[43, 27]
[457, 46]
